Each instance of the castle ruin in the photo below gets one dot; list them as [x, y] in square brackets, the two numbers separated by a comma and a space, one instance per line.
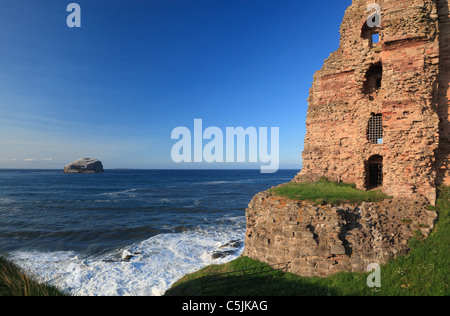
[378, 117]
[378, 111]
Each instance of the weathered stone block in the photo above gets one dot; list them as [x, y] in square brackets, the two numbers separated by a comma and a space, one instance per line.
[338, 250]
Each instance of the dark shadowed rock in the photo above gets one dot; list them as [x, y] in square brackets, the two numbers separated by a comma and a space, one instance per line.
[232, 244]
[231, 248]
[222, 254]
[84, 165]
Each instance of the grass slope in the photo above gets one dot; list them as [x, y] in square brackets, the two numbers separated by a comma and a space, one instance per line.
[423, 272]
[14, 282]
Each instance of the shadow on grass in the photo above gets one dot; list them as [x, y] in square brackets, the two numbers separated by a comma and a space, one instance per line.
[273, 283]
[273, 286]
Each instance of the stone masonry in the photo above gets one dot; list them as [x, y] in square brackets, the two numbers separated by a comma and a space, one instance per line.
[402, 80]
[378, 117]
[323, 240]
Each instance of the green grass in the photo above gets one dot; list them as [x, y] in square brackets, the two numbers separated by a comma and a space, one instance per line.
[15, 282]
[325, 192]
[423, 272]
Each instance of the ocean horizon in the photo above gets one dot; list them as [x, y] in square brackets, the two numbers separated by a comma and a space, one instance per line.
[125, 231]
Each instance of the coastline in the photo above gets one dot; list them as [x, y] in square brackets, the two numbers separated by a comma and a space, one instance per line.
[400, 276]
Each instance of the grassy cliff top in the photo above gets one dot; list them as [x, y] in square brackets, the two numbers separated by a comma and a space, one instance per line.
[423, 272]
[326, 192]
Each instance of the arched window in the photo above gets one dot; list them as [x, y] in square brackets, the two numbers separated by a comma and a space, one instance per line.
[375, 129]
[374, 77]
[375, 171]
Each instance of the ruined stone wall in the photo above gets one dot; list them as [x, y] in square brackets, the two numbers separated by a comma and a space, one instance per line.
[323, 240]
[343, 98]
[443, 158]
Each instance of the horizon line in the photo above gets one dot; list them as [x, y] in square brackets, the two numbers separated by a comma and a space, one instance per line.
[181, 169]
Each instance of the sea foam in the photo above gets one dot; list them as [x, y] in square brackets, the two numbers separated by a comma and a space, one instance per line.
[147, 268]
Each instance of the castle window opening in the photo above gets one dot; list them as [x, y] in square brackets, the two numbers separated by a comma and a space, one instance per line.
[375, 171]
[378, 83]
[373, 79]
[371, 34]
[375, 129]
[375, 38]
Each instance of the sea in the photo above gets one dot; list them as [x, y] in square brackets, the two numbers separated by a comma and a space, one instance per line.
[125, 232]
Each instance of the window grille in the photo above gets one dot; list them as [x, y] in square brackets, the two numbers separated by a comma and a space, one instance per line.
[375, 171]
[375, 133]
[375, 174]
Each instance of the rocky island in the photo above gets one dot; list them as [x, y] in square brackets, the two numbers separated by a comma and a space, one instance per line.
[84, 165]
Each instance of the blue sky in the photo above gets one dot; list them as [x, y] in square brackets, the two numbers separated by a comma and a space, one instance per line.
[115, 88]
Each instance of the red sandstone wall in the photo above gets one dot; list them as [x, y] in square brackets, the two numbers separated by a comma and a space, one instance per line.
[336, 144]
[443, 163]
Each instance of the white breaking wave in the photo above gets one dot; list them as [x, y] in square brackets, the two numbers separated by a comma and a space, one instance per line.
[151, 267]
[225, 182]
[6, 201]
[117, 193]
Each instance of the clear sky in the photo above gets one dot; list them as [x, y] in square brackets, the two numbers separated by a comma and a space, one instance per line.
[115, 88]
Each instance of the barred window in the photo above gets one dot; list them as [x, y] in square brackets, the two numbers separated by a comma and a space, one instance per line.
[375, 171]
[375, 130]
